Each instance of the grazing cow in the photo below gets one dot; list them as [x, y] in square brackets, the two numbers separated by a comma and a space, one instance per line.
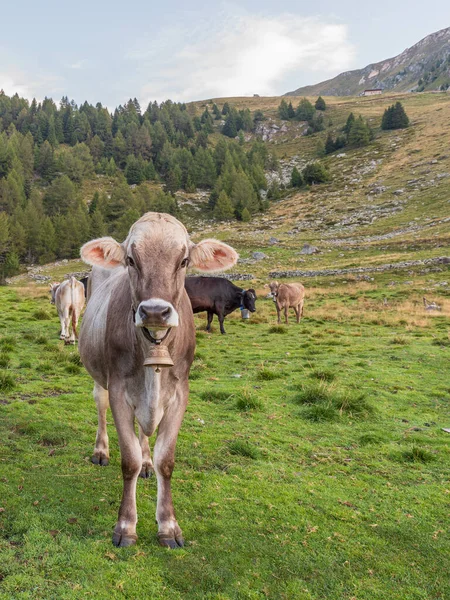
[131, 310]
[286, 296]
[68, 297]
[218, 297]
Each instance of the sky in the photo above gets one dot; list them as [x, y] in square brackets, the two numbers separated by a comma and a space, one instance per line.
[110, 51]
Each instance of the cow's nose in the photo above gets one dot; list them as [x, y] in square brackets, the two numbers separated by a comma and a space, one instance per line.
[156, 314]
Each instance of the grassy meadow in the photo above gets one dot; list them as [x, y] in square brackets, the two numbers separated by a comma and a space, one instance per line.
[311, 463]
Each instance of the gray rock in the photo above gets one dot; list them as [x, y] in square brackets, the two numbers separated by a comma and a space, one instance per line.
[273, 240]
[259, 255]
[308, 249]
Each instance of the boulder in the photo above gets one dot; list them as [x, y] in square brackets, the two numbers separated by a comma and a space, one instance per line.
[259, 255]
[308, 249]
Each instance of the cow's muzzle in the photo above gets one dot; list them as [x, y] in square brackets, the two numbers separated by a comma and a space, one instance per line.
[156, 314]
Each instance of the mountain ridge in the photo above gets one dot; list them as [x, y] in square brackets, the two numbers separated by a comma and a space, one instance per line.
[425, 66]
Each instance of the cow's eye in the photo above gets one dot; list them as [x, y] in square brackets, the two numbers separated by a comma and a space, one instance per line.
[130, 262]
[184, 263]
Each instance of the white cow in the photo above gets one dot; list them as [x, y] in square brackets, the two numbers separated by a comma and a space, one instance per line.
[69, 299]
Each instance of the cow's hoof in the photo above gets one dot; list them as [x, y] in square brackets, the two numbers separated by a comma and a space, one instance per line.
[120, 540]
[169, 542]
[146, 471]
[101, 460]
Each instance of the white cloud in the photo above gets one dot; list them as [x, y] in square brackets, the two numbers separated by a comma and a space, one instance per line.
[14, 83]
[242, 55]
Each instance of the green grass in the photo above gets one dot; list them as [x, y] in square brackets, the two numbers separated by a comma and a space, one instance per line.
[322, 481]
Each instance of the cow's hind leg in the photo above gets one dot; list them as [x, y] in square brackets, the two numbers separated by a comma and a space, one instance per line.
[286, 310]
[147, 465]
[221, 318]
[210, 318]
[169, 532]
[101, 449]
[62, 333]
[66, 327]
[131, 457]
[74, 319]
[298, 312]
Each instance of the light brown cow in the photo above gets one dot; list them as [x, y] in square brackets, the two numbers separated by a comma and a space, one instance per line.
[68, 297]
[128, 310]
[286, 296]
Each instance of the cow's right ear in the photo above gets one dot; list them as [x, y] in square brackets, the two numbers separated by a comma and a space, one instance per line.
[104, 252]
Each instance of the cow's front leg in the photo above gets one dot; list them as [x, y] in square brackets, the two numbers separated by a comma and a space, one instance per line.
[131, 455]
[210, 318]
[147, 465]
[286, 310]
[278, 313]
[101, 448]
[169, 532]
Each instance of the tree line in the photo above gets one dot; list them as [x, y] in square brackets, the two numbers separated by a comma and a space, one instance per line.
[47, 152]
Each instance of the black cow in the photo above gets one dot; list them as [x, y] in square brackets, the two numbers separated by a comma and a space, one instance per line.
[219, 297]
[85, 281]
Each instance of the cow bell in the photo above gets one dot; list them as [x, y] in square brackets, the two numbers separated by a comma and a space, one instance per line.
[159, 357]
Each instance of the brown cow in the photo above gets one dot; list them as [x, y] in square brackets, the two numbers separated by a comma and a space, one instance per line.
[130, 309]
[68, 297]
[286, 296]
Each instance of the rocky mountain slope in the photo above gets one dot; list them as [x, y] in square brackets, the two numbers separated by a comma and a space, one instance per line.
[424, 66]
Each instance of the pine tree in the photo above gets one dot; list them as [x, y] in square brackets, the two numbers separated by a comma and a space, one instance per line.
[47, 241]
[329, 144]
[225, 108]
[320, 104]
[305, 110]
[349, 123]
[359, 133]
[134, 171]
[290, 111]
[315, 172]
[395, 117]
[245, 215]
[230, 127]
[283, 110]
[296, 178]
[223, 210]
[98, 226]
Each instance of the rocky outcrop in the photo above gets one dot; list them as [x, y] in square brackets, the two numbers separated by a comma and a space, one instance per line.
[441, 260]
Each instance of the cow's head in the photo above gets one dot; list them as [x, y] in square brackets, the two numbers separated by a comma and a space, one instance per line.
[249, 299]
[53, 288]
[274, 285]
[156, 254]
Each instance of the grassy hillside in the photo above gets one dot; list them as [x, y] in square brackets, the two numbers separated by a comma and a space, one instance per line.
[312, 461]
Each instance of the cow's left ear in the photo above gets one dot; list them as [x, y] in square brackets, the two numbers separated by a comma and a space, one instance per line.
[212, 255]
[104, 252]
